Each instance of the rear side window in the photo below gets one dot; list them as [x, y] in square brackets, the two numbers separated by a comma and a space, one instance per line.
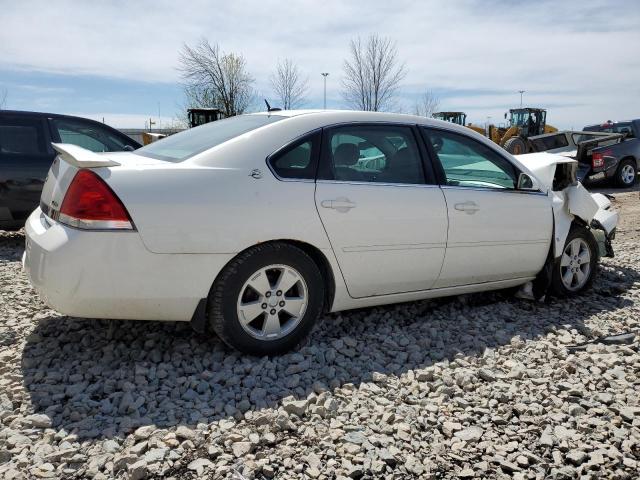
[298, 160]
[88, 135]
[22, 137]
[372, 154]
[188, 143]
[620, 127]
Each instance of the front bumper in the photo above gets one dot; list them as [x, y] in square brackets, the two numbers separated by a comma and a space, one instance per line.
[111, 274]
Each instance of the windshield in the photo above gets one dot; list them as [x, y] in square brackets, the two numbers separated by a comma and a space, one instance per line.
[519, 117]
[183, 145]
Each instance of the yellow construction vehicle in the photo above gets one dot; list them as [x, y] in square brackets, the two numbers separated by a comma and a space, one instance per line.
[200, 116]
[523, 123]
[459, 118]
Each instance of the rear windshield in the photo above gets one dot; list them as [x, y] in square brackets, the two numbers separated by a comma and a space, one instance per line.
[183, 145]
[619, 127]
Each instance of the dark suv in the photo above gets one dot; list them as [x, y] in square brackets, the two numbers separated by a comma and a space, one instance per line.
[619, 161]
[26, 155]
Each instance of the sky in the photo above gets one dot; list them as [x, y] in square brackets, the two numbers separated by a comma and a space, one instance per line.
[117, 60]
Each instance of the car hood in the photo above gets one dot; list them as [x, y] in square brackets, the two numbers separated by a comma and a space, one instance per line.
[543, 165]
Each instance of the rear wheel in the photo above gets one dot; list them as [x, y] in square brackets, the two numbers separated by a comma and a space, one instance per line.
[626, 173]
[575, 270]
[267, 299]
[515, 146]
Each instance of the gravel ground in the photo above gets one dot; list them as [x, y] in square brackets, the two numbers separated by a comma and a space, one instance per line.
[484, 386]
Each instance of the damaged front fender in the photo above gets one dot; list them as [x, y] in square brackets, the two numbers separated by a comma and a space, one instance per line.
[594, 210]
[571, 201]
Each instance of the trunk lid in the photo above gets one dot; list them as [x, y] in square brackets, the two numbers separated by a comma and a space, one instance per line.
[72, 158]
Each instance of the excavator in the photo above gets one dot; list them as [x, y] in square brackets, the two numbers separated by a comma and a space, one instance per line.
[459, 118]
[523, 123]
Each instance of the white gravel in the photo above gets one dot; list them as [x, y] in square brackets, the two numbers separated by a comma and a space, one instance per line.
[480, 386]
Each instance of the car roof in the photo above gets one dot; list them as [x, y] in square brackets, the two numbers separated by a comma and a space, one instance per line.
[614, 122]
[331, 116]
[27, 113]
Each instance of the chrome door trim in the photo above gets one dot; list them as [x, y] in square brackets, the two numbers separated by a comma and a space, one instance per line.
[500, 190]
[382, 184]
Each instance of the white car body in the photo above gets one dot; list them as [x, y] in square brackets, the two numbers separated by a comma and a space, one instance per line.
[400, 243]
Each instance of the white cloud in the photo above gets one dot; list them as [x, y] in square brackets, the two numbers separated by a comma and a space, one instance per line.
[579, 56]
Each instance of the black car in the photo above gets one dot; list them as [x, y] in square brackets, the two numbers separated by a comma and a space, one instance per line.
[620, 161]
[26, 155]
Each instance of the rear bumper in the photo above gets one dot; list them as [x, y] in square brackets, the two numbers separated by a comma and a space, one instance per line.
[586, 173]
[111, 274]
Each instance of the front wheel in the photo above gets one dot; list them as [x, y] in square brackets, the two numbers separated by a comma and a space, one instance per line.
[576, 268]
[626, 173]
[267, 299]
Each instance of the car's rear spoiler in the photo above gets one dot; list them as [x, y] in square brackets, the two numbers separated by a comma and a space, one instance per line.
[81, 157]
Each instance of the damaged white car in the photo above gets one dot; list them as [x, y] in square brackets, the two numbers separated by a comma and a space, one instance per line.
[258, 224]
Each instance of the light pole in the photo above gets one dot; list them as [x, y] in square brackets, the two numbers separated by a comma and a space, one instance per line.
[325, 74]
[521, 92]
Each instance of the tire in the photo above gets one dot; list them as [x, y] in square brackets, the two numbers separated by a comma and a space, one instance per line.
[578, 236]
[626, 173]
[236, 303]
[515, 146]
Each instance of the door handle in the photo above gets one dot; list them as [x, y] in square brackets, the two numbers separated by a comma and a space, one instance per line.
[468, 207]
[340, 204]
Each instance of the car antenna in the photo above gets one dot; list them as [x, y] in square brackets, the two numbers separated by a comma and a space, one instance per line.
[270, 108]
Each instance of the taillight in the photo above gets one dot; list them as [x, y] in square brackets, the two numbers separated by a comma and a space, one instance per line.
[90, 204]
[597, 158]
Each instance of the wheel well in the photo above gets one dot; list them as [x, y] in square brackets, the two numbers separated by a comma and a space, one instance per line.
[319, 259]
[323, 264]
[629, 157]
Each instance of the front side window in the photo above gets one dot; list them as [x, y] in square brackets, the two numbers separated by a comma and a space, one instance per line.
[468, 163]
[188, 143]
[88, 135]
[372, 153]
[22, 137]
[297, 161]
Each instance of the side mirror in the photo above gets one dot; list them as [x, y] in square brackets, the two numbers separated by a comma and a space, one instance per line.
[128, 148]
[437, 143]
[525, 182]
[505, 115]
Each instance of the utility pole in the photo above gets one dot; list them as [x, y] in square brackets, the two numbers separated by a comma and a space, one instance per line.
[521, 92]
[325, 74]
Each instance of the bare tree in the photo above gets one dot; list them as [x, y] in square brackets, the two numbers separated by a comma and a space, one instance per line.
[217, 79]
[427, 104]
[3, 97]
[289, 85]
[372, 74]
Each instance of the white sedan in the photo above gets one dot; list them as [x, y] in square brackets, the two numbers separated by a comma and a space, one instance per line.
[258, 224]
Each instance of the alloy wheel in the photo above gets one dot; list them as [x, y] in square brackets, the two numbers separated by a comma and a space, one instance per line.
[575, 264]
[627, 174]
[272, 302]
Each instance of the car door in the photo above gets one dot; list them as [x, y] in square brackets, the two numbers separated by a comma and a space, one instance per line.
[384, 216]
[496, 232]
[25, 158]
